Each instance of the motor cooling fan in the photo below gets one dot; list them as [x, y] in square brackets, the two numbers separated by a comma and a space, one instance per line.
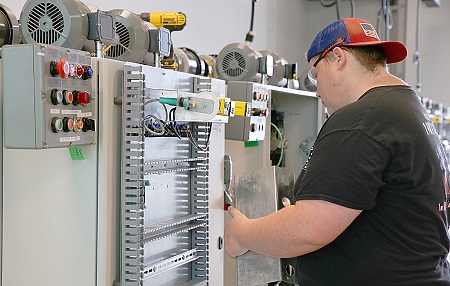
[237, 62]
[54, 22]
[133, 37]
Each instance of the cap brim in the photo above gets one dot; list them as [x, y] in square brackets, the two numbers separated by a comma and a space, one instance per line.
[395, 51]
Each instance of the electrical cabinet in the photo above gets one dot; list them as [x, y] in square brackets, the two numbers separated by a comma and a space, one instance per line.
[172, 183]
[49, 197]
[129, 210]
[251, 125]
[298, 115]
[48, 97]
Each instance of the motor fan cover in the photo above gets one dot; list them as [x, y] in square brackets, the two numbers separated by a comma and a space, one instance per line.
[54, 22]
[279, 70]
[238, 62]
[133, 37]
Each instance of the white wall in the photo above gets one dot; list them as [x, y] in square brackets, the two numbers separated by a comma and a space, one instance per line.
[434, 43]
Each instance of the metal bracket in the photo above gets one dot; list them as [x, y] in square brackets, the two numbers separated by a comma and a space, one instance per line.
[201, 84]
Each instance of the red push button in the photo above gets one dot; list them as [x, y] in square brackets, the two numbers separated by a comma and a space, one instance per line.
[67, 97]
[68, 124]
[62, 68]
[83, 97]
[79, 71]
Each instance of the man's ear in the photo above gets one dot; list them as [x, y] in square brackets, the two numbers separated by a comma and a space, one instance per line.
[340, 56]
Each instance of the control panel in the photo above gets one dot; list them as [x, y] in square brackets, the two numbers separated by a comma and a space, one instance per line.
[251, 126]
[48, 97]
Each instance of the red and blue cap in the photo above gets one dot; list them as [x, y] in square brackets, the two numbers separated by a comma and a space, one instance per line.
[355, 32]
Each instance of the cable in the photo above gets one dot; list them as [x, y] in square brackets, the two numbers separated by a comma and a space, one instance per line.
[161, 123]
[385, 10]
[322, 2]
[251, 34]
[336, 2]
[416, 57]
[252, 18]
[337, 10]
[282, 143]
[194, 143]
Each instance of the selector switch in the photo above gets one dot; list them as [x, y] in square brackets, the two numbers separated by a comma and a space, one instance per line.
[88, 124]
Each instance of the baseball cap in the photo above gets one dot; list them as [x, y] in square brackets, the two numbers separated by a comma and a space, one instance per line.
[355, 32]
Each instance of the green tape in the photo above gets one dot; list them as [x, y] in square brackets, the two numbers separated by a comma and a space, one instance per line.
[251, 143]
[76, 153]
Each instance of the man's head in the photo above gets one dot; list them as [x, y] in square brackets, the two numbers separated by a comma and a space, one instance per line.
[354, 32]
[347, 58]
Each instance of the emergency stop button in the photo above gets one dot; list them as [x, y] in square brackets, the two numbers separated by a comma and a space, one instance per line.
[61, 68]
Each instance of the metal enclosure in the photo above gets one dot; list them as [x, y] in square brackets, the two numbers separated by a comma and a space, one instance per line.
[172, 191]
[34, 100]
[303, 117]
[252, 127]
[260, 193]
[49, 200]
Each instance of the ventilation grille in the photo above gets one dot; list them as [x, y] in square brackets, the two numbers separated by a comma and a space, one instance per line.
[124, 42]
[45, 23]
[234, 64]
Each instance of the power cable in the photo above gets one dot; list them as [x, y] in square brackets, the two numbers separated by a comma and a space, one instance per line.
[336, 2]
[250, 35]
[416, 57]
[385, 12]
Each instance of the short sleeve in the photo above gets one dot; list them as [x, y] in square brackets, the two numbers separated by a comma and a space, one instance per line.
[346, 168]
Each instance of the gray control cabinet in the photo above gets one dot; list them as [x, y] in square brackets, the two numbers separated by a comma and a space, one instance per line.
[251, 127]
[45, 110]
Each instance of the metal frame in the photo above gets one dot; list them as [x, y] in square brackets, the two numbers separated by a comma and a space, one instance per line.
[165, 208]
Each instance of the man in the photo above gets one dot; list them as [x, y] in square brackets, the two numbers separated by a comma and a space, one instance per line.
[372, 198]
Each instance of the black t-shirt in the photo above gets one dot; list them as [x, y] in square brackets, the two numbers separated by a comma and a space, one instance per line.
[380, 154]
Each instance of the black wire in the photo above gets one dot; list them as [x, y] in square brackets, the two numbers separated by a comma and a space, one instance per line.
[336, 2]
[327, 4]
[252, 15]
[416, 53]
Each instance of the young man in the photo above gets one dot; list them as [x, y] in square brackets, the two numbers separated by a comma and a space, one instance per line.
[372, 198]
